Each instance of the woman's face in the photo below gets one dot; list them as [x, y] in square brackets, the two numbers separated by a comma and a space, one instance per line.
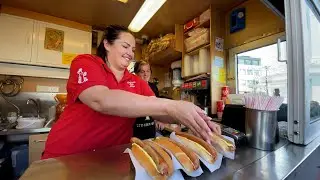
[145, 72]
[121, 52]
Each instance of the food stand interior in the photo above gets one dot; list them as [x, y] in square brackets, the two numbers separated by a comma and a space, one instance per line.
[264, 25]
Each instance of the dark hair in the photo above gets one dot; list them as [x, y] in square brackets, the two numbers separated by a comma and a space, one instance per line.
[137, 66]
[111, 33]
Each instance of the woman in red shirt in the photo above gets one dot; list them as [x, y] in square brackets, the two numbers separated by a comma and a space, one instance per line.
[104, 99]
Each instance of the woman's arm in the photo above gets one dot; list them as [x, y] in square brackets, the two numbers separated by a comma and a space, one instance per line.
[126, 104]
[122, 103]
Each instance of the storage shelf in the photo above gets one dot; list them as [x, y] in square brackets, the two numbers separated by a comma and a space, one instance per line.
[205, 24]
[194, 75]
[165, 57]
[195, 51]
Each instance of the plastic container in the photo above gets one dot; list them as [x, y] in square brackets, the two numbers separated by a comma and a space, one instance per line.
[19, 157]
[30, 123]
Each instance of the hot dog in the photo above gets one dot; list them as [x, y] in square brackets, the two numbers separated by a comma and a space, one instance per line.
[154, 164]
[163, 154]
[188, 159]
[222, 143]
[199, 146]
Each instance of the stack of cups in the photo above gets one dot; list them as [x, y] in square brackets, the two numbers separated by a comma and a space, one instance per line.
[187, 65]
[204, 59]
[195, 64]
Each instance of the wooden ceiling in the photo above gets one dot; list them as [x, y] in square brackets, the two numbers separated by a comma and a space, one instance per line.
[100, 13]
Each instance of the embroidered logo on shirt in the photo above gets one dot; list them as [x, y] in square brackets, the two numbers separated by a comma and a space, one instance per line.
[82, 76]
[131, 84]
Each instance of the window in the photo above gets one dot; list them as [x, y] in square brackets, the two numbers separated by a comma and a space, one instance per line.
[242, 71]
[241, 61]
[265, 73]
[250, 72]
[255, 62]
[247, 62]
[312, 63]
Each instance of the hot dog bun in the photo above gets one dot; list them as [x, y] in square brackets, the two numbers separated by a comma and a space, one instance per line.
[146, 161]
[184, 155]
[161, 165]
[199, 146]
[163, 154]
[222, 143]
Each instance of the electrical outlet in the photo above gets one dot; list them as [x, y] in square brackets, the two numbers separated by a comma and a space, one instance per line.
[51, 89]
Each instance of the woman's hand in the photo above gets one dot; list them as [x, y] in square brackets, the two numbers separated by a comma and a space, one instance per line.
[193, 117]
[159, 125]
[213, 126]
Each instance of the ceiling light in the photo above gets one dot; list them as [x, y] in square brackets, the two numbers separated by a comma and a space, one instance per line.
[147, 10]
[124, 1]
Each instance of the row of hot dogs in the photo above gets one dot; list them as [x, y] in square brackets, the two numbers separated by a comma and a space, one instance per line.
[154, 158]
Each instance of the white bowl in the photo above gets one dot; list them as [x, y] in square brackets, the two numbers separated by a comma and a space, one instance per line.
[30, 123]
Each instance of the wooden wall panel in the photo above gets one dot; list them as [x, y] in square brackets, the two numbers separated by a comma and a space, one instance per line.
[158, 72]
[260, 22]
[217, 30]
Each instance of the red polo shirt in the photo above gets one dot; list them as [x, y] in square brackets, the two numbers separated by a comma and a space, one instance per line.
[80, 128]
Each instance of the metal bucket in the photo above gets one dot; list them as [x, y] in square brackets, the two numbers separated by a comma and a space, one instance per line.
[261, 128]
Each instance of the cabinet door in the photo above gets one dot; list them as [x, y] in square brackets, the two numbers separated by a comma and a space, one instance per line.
[15, 39]
[36, 146]
[74, 42]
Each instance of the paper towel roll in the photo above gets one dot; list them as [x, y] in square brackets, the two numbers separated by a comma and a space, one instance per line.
[204, 59]
[187, 65]
[195, 67]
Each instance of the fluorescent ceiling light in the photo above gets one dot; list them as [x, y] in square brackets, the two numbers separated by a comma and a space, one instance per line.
[147, 10]
[124, 1]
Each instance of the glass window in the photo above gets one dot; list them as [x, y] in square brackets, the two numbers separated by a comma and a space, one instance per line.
[313, 63]
[241, 61]
[242, 71]
[247, 62]
[265, 73]
[255, 62]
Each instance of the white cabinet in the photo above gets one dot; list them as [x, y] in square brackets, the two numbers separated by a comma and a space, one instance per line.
[75, 42]
[22, 42]
[16, 39]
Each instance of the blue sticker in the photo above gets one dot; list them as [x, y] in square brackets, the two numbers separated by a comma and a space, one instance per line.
[218, 61]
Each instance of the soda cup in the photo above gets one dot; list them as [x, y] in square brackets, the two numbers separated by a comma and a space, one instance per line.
[220, 107]
[225, 91]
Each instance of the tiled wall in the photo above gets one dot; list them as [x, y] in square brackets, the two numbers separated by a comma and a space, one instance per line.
[29, 91]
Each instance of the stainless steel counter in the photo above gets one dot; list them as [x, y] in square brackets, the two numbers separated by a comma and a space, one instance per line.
[111, 163]
[23, 131]
[255, 164]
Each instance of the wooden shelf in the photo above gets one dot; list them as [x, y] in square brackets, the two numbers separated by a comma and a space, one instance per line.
[194, 75]
[195, 51]
[165, 57]
[205, 24]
